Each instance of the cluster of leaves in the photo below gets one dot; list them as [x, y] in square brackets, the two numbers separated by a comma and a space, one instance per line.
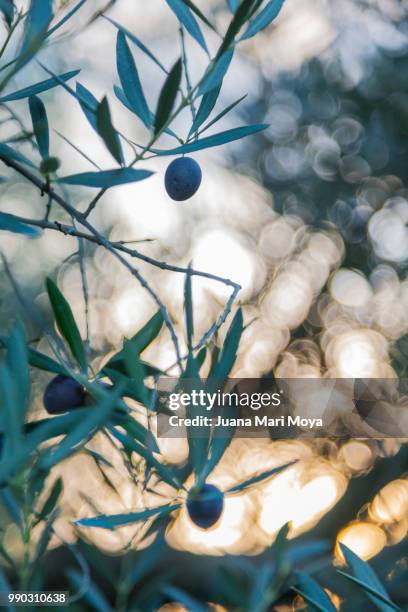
[31, 450]
[248, 19]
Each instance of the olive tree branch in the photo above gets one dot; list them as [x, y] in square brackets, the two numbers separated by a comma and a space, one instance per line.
[116, 248]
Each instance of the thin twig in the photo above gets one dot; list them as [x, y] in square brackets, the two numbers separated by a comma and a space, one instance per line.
[85, 292]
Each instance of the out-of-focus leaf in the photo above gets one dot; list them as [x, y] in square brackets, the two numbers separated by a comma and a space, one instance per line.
[7, 8]
[7, 153]
[87, 102]
[66, 323]
[167, 97]
[183, 598]
[36, 433]
[38, 87]
[118, 520]
[204, 110]
[229, 351]
[130, 81]
[6, 588]
[185, 16]
[11, 415]
[94, 420]
[213, 141]
[137, 42]
[199, 13]
[45, 537]
[43, 362]
[368, 580]
[51, 501]
[259, 478]
[233, 5]
[240, 17]
[17, 361]
[37, 22]
[313, 593]
[66, 18]
[93, 596]
[10, 223]
[263, 19]
[216, 72]
[222, 114]
[107, 178]
[107, 132]
[10, 504]
[40, 125]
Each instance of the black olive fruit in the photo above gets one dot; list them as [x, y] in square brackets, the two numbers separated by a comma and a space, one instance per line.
[205, 506]
[182, 178]
[63, 394]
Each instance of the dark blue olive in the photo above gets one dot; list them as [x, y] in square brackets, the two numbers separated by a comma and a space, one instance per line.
[183, 178]
[63, 394]
[205, 506]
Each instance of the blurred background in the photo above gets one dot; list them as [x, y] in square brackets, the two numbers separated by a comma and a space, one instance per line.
[310, 218]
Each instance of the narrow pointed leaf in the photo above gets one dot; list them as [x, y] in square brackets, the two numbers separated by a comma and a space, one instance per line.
[198, 437]
[263, 19]
[38, 87]
[43, 362]
[107, 178]
[40, 125]
[188, 309]
[240, 17]
[137, 42]
[199, 13]
[7, 8]
[118, 520]
[222, 114]
[207, 103]
[136, 371]
[213, 141]
[66, 323]
[259, 478]
[216, 72]
[7, 153]
[187, 19]
[11, 223]
[51, 501]
[38, 20]
[382, 602]
[230, 348]
[87, 102]
[17, 361]
[107, 132]
[233, 5]
[66, 18]
[140, 341]
[130, 81]
[167, 97]
[366, 575]
[313, 593]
